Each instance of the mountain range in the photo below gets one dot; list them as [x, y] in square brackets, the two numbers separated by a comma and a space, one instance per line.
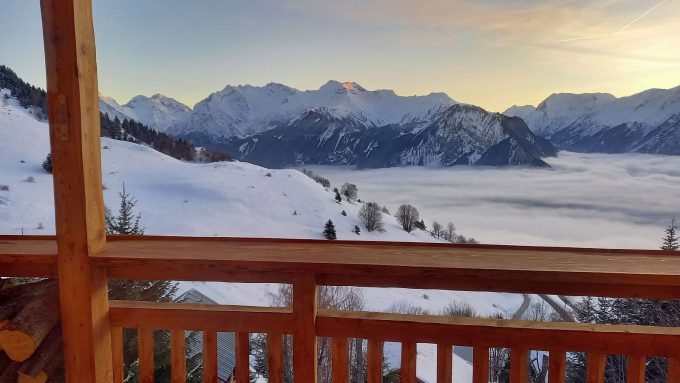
[344, 123]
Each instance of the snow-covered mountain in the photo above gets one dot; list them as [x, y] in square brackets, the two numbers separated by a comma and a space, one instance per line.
[646, 122]
[157, 112]
[459, 135]
[245, 110]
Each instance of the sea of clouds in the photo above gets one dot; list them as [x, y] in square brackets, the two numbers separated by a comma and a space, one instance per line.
[585, 200]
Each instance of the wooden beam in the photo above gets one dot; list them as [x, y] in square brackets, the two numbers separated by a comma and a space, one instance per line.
[340, 363]
[28, 256]
[210, 357]
[444, 363]
[480, 365]
[304, 338]
[242, 357]
[374, 367]
[73, 107]
[275, 358]
[557, 366]
[618, 273]
[189, 316]
[178, 356]
[474, 332]
[409, 355]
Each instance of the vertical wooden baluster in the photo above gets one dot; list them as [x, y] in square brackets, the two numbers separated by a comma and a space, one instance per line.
[480, 365]
[117, 353]
[596, 364]
[673, 369]
[275, 357]
[178, 356]
[340, 366]
[519, 365]
[145, 342]
[637, 364]
[304, 338]
[409, 354]
[209, 357]
[375, 355]
[557, 367]
[444, 363]
[242, 357]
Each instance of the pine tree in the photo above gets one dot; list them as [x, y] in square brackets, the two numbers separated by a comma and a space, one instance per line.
[47, 163]
[357, 229]
[670, 241]
[126, 223]
[329, 230]
[338, 198]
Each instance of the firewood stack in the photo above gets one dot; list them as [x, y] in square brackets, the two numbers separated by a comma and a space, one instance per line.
[30, 335]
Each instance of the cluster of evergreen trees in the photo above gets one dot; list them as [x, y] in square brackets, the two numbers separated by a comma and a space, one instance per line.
[27, 94]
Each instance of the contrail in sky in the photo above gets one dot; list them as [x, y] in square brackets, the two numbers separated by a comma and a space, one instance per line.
[641, 16]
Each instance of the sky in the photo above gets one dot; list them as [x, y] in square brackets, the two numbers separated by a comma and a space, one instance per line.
[491, 53]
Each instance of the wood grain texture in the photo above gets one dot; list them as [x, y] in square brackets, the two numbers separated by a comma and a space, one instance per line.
[146, 361]
[519, 365]
[178, 356]
[595, 367]
[304, 338]
[611, 339]
[637, 366]
[408, 362]
[117, 354]
[557, 366]
[28, 256]
[134, 314]
[73, 113]
[210, 357]
[480, 365]
[374, 365]
[444, 363]
[651, 274]
[242, 357]
[340, 363]
[674, 368]
[275, 358]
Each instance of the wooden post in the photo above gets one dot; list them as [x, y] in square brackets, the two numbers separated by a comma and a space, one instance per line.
[340, 366]
[409, 355]
[374, 366]
[73, 106]
[519, 365]
[444, 363]
[210, 357]
[242, 357]
[557, 366]
[480, 365]
[637, 366]
[595, 367]
[304, 339]
[178, 356]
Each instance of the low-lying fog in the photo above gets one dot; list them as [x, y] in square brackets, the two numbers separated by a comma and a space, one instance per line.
[587, 200]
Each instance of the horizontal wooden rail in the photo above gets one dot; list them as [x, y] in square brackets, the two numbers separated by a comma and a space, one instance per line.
[190, 316]
[609, 339]
[567, 271]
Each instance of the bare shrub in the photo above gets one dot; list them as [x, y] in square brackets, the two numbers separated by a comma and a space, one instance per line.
[371, 217]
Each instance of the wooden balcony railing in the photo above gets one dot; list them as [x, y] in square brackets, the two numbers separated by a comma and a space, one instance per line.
[308, 264]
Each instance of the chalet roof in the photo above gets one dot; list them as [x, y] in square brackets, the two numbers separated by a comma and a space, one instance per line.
[226, 341]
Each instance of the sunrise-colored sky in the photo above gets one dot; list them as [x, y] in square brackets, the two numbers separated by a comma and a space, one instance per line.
[491, 53]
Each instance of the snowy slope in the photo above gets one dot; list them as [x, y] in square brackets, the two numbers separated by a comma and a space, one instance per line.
[243, 110]
[223, 199]
[157, 112]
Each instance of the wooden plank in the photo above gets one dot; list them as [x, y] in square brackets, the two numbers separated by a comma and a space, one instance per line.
[600, 272]
[595, 367]
[275, 358]
[637, 366]
[178, 356]
[340, 363]
[133, 314]
[146, 361]
[408, 362]
[444, 363]
[557, 366]
[674, 368]
[28, 256]
[613, 339]
[375, 359]
[304, 338]
[117, 354]
[73, 108]
[480, 365]
[242, 357]
[210, 357]
[519, 365]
